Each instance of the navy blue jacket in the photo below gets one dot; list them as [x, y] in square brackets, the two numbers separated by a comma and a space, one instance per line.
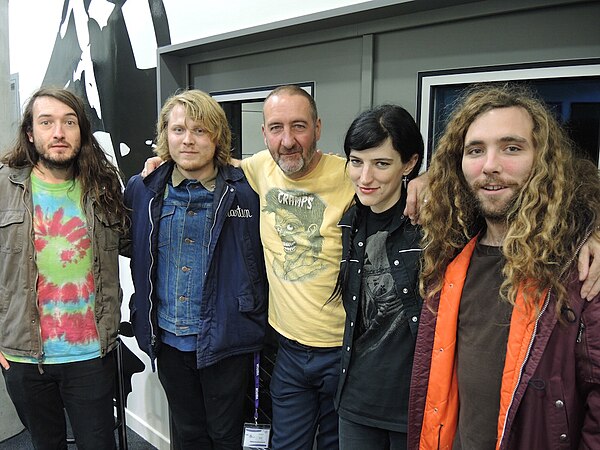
[233, 313]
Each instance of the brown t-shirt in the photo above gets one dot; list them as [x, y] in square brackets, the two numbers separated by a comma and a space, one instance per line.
[483, 325]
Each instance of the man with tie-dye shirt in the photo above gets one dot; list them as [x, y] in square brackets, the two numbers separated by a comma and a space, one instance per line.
[61, 222]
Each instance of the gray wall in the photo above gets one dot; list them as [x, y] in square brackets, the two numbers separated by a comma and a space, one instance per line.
[335, 67]
[374, 56]
[9, 422]
[6, 130]
[555, 33]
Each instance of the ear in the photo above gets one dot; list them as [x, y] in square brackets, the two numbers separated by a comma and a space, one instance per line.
[318, 129]
[410, 165]
[30, 136]
[264, 134]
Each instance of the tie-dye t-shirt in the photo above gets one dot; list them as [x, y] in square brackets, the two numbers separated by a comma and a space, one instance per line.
[65, 282]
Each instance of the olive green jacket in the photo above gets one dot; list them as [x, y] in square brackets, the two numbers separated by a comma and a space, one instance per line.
[20, 333]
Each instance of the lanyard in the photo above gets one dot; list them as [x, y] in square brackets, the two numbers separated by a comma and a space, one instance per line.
[256, 384]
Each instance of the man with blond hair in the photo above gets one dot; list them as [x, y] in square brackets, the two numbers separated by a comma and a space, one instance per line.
[200, 298]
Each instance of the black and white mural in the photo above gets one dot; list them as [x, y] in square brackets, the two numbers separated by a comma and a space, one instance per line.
[105, 51]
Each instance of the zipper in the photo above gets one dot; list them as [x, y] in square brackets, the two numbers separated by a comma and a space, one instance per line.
[40, 357]
[227, 187]
[580, 332]
[151, 254]
[546, 303]
[529, 347]
[95, 244]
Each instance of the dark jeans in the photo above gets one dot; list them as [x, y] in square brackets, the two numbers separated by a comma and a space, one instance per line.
[303, 386]
[354, 436]
[84, 389]
[207, 405]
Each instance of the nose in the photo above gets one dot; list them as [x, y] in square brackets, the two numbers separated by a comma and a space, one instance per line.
[366, 175]
[58, 131]
[492, 163]
[187, 137]
[287, 138]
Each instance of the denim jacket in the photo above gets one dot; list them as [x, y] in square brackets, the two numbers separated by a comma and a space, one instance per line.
[20, 333]
[184, 229]
[234, 296]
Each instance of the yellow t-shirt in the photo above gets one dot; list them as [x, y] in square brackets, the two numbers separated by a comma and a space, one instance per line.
[302, 245]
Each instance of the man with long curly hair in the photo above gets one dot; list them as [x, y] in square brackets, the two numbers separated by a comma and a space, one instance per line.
[508, 350]
[61, 223]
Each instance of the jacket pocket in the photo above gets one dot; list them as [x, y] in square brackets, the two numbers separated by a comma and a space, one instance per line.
[108, 234]
[12, 231]
[246, 303]
[165, 224]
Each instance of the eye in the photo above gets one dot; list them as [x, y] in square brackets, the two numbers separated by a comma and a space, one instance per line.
[473, 151]
[513, 149]
[355, 162]
[198, 131]
[289, 227]
[275, 128]
[71, 123]
[382, 164]
[299, 126]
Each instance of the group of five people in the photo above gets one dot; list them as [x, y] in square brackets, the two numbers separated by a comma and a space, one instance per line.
[487, 289]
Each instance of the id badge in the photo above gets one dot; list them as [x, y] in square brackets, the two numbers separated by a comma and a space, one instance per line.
[256, 436]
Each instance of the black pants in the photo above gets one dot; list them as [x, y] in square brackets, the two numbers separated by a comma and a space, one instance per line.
[85, 389]
[207, 405]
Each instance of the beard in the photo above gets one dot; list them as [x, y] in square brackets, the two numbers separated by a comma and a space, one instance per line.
[297, 163]
[57, 162]
[496, 212]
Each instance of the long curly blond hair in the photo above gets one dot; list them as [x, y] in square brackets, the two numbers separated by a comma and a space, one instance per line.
[549, 221]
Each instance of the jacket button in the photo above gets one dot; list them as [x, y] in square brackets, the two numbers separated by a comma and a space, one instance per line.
[396, 262]
[343, 370]
[559, 403]
[405, 290]
[360, 244]
[414, 318]
[354, 297]
[186, 269]
[358, 271]
[347, 349]
[351, 324]
[563, 437]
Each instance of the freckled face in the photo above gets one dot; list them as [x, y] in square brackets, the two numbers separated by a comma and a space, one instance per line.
[497, 158]
[190, 146]
[55, 132]
[377, 175]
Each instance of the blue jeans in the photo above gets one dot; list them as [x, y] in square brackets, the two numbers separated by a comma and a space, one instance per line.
[207, 405]
[84, 389]
[354, 436]
[303, 387]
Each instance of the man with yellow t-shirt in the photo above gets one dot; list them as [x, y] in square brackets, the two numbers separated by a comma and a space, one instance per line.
[303, 194]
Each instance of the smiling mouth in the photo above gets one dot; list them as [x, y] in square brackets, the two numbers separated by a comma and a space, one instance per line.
[367, 190]
[493, 188]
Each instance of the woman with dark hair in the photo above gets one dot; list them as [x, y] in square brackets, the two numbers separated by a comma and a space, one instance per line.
[378, 281]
